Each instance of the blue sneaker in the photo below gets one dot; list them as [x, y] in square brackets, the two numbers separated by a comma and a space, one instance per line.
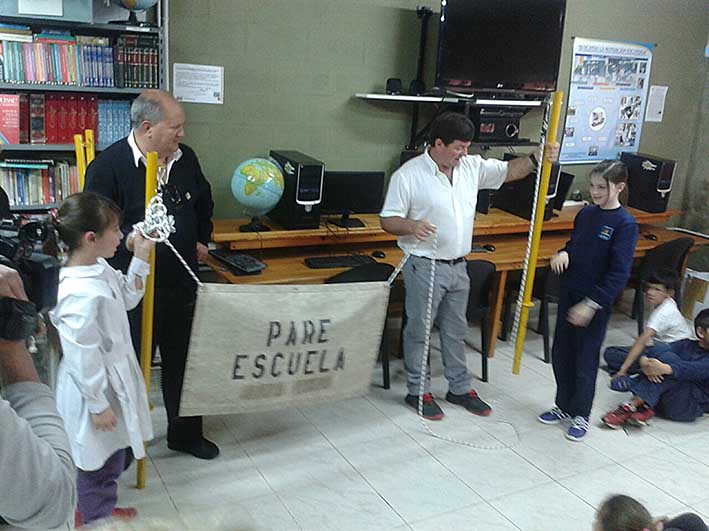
[578, 429]
[553, 416]
[622, 383]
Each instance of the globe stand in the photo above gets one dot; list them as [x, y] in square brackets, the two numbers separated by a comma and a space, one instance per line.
[254, 226]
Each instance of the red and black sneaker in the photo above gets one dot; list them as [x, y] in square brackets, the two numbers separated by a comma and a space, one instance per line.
[431, 410]
[641, 415]
[619, 416]
[470, 401]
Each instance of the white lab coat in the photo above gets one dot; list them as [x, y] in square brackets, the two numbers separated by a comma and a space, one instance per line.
[99, 367]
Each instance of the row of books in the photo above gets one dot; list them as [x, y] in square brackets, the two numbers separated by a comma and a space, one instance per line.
[54, 118]
[132, 61]
[41, 182]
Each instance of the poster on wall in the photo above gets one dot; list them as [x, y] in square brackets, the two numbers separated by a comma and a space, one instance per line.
[607, 98]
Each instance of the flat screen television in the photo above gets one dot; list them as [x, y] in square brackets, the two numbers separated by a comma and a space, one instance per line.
[500, 45]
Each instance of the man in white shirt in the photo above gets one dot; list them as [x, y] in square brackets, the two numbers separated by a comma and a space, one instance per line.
[435, 194]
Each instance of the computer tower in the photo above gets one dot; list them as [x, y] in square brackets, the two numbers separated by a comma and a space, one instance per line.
[484, 201]
[299, 206]
[649, 181]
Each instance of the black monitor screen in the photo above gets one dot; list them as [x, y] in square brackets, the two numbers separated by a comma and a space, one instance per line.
[346, 192]
[562, 190]
[500, 44]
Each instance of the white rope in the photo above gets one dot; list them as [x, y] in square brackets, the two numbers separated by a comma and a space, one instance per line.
[424, 360]
[158, 225]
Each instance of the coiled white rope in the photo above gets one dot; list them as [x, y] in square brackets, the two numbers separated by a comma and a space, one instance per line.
[424, 360]
[158, 225]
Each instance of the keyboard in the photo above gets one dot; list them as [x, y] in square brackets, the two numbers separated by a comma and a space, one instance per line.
[345, 260]
[238, 263]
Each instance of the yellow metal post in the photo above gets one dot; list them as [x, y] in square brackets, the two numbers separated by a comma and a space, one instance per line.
[536, 233]
[146, 344]
[90, 146]
[80, 159]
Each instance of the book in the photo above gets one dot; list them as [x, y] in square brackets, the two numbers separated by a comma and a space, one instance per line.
[24, 118]
[9, 119]
[38, 133]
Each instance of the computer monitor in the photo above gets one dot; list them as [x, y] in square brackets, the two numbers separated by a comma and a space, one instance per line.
[562, 189]
[517, 197]
[347, 192]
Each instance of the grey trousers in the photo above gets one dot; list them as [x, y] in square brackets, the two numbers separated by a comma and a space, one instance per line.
[450, 301]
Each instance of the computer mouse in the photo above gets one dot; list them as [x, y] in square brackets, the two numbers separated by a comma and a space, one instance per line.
[378, 254]
[489, 247]
[651, 236]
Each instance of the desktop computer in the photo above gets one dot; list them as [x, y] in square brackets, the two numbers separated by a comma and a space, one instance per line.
[347, 192]
[649, 181]
[299, 206]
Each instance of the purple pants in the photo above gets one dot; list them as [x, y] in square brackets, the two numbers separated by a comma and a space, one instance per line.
[98, 489]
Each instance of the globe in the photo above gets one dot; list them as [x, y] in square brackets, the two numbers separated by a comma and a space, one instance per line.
[257, 185]
[136, 5]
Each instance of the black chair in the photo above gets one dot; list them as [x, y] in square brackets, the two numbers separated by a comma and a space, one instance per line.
[546, 290]
[374, 272]
[669, 255]
[482, 275]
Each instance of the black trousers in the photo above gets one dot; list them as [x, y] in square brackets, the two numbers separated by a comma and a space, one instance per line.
[575, 358]
[172, 326]
[686, 522]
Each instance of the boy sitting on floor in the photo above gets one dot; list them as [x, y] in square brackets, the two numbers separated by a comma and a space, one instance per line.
[665, 325]
[674, 382]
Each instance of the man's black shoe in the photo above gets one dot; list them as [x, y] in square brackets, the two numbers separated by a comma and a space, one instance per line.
[470, 401]
[431, 410]
[200, 448]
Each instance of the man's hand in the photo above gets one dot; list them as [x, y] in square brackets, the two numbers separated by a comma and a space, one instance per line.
[11, 284]
[559, 262]
[580, 314]
[551, 150]
[104, 421]
[202, 252]
[422, 229]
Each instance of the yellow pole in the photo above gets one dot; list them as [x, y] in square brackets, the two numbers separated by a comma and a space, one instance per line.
[146, 344]
[536, 233]
[80, 159]
[90, 146]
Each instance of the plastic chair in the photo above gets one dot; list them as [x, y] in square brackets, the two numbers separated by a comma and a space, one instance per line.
[669, 255]
[482, 275]
[374, 272]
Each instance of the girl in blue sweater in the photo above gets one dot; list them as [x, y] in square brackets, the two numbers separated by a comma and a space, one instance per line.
[594, 267]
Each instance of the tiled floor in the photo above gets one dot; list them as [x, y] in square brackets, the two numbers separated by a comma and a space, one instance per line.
[367, 463]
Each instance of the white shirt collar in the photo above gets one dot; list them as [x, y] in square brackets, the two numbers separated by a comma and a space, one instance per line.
[138, 156]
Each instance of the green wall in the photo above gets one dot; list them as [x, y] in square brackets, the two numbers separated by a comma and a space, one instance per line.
[293, 66]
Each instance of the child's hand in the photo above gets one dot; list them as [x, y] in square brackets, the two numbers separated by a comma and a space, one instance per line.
[142, 247]
[104, 421]
[580, 314]
[559, 262]
[618, 375]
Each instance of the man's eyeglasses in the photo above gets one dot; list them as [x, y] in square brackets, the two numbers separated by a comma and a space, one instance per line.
[173, 193]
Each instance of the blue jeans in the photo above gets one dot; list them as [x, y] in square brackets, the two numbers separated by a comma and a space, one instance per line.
[450, 302]
[615, 356]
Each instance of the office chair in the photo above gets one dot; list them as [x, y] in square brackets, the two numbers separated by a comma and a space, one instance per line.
[482, 275]
[374, 272]
[669, 255]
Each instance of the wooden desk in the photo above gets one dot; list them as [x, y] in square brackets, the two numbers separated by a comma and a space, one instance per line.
[497, 222]
[286, 266]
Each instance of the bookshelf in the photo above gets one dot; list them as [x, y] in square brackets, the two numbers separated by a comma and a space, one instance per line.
[62, 76]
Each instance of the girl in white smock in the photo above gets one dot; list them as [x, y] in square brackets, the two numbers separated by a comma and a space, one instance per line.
[100, 390]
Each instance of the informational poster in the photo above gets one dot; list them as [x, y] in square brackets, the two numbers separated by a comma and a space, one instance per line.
[607, 99]
[263, 347]
[198, 83]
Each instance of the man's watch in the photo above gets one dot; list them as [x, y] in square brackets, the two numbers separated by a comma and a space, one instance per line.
[18, 319]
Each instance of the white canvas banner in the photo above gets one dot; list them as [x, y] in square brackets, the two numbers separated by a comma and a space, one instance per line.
[261, 347]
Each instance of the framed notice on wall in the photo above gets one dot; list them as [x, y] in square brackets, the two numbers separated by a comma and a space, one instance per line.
[607, 98]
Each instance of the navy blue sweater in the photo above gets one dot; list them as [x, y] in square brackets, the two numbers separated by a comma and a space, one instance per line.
[113, 173]
[601, 252]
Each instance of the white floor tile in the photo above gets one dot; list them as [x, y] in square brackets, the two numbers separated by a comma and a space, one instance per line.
[480, 517]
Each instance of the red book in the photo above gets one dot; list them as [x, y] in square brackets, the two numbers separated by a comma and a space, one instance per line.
[51, 114]
[38, 134]
[63, 120]
[83, 113]
[45, 187]
[93, 115]
[24, 119]
[9, 119]
[73, 116]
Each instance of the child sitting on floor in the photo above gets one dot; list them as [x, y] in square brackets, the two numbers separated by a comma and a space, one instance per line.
[665, 325]
[674, 381]
[623, 513]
